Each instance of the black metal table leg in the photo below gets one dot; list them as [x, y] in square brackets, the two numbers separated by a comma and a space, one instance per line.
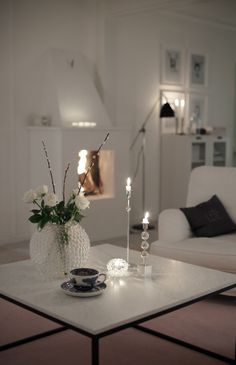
[95, 350]
[185, 344]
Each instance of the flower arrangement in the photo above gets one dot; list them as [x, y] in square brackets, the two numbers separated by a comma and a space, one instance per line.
[48, 207]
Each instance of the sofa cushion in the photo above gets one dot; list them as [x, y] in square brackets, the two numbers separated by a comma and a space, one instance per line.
[208, 180]
[215, 253]
[209, 219]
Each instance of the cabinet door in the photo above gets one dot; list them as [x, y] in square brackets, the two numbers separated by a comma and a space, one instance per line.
[219, 153]
[198, 153]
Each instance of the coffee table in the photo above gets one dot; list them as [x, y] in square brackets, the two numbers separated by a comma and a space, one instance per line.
[126, 302]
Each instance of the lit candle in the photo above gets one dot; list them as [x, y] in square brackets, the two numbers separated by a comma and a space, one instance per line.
[177, 102]
[128, 186]
[145, 219]
[182, 103]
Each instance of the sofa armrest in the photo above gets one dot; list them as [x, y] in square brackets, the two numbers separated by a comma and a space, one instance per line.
[173, 226]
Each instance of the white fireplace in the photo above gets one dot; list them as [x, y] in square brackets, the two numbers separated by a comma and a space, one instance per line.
[106, 217]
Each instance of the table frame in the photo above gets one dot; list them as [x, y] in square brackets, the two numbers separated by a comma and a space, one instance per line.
[133, 324]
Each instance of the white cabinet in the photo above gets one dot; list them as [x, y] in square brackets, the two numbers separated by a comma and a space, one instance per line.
[179, 155]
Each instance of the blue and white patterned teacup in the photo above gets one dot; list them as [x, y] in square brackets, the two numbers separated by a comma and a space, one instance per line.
[85, 276]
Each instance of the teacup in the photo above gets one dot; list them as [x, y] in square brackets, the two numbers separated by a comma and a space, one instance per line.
[85, 276]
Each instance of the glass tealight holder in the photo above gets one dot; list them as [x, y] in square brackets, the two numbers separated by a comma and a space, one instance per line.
[117, 268]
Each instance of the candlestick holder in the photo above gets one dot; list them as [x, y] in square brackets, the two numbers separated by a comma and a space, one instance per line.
[144, 269]
[128, 209]
[131, 267]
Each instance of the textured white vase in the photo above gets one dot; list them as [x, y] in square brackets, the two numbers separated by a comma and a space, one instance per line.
[53, 257]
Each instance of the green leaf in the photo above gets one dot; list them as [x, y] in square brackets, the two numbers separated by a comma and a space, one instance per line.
[43, 222]
[78, 217]
[60, 205]
[35, 218]
[71, 206]
[55, 219]
[35, 211]
[47, 209]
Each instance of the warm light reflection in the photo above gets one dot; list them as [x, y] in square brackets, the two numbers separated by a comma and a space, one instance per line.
[177, 102]
[117, 283]
[145, 219]
[82, 162]
[84, 124]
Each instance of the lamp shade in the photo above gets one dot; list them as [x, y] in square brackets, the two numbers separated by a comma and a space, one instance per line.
[166, 111]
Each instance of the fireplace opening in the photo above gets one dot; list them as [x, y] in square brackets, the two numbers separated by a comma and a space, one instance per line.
[99, 181]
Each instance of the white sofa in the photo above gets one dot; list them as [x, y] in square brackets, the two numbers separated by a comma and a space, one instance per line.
[175, 238]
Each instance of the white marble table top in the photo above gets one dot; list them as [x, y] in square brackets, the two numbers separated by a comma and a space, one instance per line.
[125, 300]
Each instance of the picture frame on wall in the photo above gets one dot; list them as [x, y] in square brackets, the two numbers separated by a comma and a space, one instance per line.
[172, 66]
[197, 110]
[197, 69]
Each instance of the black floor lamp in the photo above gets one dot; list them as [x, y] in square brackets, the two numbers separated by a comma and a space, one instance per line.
[165, 112]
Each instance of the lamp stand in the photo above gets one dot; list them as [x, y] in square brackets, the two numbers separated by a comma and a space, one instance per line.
[165, 112]
[139, 226]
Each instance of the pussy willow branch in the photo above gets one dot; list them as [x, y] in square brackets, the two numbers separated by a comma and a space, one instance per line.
[92, 162]
[49, 167]
[64, 182]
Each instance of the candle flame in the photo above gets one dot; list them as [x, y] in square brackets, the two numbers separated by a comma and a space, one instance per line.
[146, 216]
[177, 102]
[129, 181]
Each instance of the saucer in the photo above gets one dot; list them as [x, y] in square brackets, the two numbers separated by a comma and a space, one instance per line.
[71, 288]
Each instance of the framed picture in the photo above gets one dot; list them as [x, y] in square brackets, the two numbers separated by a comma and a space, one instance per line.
[172, 66]
[197, 110]
[197, 70]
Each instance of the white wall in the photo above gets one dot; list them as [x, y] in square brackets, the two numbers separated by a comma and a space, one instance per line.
[28, 28]
[133, 57]
[7, 134]
[126, 51]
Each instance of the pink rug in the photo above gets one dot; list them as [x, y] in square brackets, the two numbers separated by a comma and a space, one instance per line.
[210, 324]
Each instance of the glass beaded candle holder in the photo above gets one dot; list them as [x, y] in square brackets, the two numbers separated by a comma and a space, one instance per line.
[144, 244]
[128, 209]
[144, 268]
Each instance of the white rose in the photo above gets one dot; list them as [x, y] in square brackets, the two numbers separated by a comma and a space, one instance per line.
[81, 202]
[29, 196]
[50, 199]
[41, 190]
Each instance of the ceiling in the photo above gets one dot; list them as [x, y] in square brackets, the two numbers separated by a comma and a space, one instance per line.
[219, 11]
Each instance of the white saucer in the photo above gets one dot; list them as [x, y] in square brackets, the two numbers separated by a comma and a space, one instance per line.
[70, 288]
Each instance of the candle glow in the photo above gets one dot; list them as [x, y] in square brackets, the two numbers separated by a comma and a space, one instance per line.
[177, 102]
[128, 184]
[145, 219]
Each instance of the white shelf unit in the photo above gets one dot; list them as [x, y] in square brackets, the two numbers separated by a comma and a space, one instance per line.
[179, 155]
